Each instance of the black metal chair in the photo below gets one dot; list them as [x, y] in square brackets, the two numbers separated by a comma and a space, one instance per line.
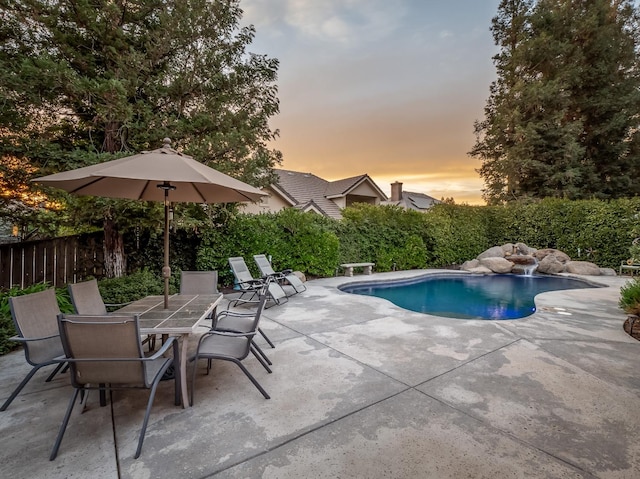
[233, 346]
[34, 316]
[105, 353]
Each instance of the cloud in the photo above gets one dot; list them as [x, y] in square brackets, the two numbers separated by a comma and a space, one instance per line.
[346, 22]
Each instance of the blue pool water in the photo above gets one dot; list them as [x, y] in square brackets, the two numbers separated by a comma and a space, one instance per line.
[503, 296]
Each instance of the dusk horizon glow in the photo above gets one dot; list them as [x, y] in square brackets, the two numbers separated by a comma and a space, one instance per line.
[390, 89]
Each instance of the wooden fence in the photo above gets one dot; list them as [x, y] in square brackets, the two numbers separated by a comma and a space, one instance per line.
[58, 261]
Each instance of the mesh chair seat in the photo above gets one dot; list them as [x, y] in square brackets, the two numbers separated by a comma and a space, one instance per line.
[34, 316]
[105, 353]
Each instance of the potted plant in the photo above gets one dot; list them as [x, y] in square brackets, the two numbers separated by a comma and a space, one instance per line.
[630, 303]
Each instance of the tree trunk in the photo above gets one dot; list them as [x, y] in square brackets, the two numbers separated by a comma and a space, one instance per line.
[115, 264]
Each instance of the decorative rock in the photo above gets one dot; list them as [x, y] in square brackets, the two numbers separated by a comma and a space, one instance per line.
[522, 248]
[550, 264]
[559, 255]
[523, 259]
[608, 272]
[495, 252]
[300, 276]
[497, 265]
[582, 267]
[468, 265]
[480, 270]
[508, 248]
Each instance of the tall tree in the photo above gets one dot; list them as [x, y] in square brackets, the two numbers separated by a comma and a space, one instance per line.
[562, 116]
[87, 81]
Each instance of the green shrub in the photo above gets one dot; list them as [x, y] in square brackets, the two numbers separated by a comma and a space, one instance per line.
[134, 286]
[630, 296]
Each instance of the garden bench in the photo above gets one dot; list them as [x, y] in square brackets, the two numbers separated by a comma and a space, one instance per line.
[348, 268]
[630, 267]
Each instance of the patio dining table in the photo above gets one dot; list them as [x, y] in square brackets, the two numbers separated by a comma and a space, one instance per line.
[186, 312]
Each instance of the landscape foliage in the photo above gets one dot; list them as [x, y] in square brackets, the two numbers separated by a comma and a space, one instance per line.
[389, 236]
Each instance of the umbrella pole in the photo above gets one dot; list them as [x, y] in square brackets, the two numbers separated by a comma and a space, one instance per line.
[166, 269]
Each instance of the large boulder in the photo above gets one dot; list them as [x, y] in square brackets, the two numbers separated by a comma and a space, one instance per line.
[582, 267]
[608, 272]
[468, 265]
[550, 264]
[497, 265]
[558, 255]
[522, 259]
[522, 248]
[480, 270]
[495, 252]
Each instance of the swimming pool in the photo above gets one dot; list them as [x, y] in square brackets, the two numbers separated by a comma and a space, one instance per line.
[494, 297]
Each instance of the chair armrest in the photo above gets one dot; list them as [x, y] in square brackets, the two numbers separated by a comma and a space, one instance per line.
[162, 350]
[286, 271]
[231, 334]
[234, 314]
[20, 339]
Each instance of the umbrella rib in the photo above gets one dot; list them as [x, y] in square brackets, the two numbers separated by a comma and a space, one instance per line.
[85, 185]
[141, 195]
[195, 187]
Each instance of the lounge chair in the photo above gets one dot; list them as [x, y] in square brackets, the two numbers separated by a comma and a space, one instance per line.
[35, 319]
[231, 346]
[253, 288]
[283, 277]
[105, 353]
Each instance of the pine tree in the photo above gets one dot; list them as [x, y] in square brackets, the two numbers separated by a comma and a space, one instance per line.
[562, 115]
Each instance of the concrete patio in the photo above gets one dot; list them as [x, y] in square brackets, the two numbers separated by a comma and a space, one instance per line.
[363, 389]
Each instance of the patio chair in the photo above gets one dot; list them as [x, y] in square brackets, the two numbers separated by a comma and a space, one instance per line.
[34, 316]
[231, 346]
[198, 282]
[283, 277]
[105, 353]
[86, 298]
[254, 288]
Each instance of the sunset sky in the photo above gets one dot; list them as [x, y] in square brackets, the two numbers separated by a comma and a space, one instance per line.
[390, 88]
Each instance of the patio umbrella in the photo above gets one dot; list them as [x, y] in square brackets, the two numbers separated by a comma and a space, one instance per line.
[164, 175]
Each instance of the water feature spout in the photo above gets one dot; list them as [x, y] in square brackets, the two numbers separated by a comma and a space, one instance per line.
[529, 269]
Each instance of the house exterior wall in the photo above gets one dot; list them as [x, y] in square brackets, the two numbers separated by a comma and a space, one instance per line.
[268, 204]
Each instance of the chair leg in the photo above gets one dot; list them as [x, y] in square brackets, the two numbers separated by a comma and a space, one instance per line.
[103, 395]
[265, 337]
[54, 372]
[145, 422]
[177, 373]
[19, 388]
[253, 380]
[264, 364]
[193, 379]
[63, 426]
[261, 353]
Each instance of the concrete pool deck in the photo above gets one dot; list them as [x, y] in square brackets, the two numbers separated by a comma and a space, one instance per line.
[363, 389]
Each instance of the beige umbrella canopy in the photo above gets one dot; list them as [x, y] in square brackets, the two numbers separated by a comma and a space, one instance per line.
[159, 175]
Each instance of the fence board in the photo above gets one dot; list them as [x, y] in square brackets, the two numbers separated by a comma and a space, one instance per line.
[58, 261]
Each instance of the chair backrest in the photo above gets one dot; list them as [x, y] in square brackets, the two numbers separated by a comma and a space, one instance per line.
[86, 298]
[263, 264]
[103, 349]
[240, 271]
[34, 316]
[198, 282]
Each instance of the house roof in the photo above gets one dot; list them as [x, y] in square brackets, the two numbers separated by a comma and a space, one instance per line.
[414, 201]
[307, 191]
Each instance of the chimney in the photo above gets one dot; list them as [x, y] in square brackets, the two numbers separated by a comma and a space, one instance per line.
[396, 191]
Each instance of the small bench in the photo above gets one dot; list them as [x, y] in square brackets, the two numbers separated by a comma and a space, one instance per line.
[348, 268]
[631, 267]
